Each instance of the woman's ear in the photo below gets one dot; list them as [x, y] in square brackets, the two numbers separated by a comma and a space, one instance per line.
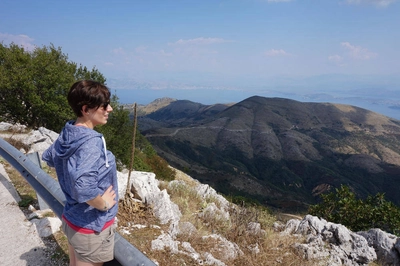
[85, 109]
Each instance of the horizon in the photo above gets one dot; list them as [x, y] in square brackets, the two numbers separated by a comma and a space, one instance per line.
[220, 51]
[388, 105]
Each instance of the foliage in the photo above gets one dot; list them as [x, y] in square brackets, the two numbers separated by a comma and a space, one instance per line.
[83, 73]
[342, 206]
[160, 168]
[34, 85]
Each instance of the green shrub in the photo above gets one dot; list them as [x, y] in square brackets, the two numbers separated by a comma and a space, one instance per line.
[160, 167]
[342, 206]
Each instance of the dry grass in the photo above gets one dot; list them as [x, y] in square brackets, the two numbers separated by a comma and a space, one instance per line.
[17, 143]
[25, 191]
[268, 248]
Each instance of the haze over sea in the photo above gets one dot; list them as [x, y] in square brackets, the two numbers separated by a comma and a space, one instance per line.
[383, 99]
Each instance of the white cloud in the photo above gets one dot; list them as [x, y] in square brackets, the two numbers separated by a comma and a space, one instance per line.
[200, 41]
[144, 51]
[22, 40]
[163, 53]
[358, 52]
[118, 51]
[276, 52]
[335, 58]
[381, 3]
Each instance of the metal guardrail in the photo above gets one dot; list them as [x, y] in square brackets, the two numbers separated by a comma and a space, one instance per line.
[49, 190]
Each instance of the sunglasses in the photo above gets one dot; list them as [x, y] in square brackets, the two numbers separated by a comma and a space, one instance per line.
[105, 105]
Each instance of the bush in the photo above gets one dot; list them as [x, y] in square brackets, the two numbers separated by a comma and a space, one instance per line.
[342, 206]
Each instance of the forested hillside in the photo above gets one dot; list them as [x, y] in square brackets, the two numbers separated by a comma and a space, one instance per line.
[279, 152]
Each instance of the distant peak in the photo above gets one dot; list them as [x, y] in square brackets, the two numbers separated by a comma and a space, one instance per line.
[163, 99]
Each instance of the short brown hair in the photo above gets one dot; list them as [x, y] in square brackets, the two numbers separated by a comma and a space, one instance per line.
[87, 92]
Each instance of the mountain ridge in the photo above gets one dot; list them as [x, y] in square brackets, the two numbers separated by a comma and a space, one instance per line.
[278, 151]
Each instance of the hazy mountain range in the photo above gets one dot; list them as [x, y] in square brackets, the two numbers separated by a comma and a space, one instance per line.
[379, 94]
[281, 152]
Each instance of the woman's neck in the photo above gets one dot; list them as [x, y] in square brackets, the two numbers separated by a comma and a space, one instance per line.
[80, 121]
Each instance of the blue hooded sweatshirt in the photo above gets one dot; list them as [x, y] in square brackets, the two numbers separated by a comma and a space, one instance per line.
[85, 169]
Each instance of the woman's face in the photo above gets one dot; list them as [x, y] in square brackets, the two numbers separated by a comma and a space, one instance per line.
[100, 116]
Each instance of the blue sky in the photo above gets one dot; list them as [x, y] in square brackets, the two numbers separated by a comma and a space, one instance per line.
[232, 47]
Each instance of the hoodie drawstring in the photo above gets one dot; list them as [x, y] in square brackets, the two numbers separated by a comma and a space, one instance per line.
[105, 151]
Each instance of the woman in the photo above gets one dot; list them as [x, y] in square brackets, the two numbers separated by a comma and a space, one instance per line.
[87, 175]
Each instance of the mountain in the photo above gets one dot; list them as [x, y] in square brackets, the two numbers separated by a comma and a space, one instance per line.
[151, 107]
[282, 153]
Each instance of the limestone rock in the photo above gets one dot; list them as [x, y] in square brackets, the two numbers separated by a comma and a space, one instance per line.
[210, 260]
[146, 186]
[384, 245]
[205, 191]
[226, 249]
[182, 228]
[331, 242]
[14, 128]
[47, 226]
[165, 241]
[255, 229]
[212, 212]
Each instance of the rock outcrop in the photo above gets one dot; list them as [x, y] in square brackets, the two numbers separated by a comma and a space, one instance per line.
[387, 246]
[337, 245]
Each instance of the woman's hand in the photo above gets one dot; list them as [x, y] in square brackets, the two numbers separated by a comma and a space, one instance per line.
[105, 201]
[109, 197]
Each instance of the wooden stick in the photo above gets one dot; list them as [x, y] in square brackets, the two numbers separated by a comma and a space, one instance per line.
[133, 149]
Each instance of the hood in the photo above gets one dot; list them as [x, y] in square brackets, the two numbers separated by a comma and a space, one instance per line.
[71, 137]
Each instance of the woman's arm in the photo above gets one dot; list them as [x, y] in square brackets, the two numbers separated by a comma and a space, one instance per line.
[105, 201]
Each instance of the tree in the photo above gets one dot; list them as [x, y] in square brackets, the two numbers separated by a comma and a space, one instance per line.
[83, 73]
[34, 85]
[342, 206]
